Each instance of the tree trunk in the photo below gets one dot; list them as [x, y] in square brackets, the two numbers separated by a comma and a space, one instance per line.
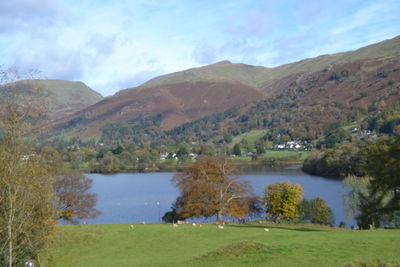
[10, 237]
[219, 216]
[277, 218]
[10, 247]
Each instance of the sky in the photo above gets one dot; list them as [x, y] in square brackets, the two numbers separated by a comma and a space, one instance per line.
[113, 45]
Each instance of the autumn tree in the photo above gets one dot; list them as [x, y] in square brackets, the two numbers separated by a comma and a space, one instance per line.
[210, 187]
[282, 200]
[73, 198]
[26, 192]
[71, 188]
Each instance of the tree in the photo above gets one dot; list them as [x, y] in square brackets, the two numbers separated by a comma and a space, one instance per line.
[26, 192]
[109, 163]
[377, 199]
[236, 150]
[316, 210]
[74, 200]
[183, 150]
[282, 200]
[173, 216]
[260, 149]
[209, 187]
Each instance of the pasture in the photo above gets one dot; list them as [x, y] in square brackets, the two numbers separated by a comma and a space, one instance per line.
[234, 245]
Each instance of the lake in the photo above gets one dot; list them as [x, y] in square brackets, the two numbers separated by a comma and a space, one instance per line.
[137, 197]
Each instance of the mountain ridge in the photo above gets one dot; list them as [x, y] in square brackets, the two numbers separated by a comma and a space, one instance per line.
[184, 96]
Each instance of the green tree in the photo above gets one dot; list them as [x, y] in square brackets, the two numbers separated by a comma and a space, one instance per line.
[316, 210]
[127, 160]
[380, 200]
[282, 200]
[260, 149]
[209, 187]
[109, 163]
[183, 150]
[173, 215]
[236, 150]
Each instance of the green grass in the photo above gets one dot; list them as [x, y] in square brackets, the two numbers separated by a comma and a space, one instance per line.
[235, 245]
[285, 154]
[250, 137]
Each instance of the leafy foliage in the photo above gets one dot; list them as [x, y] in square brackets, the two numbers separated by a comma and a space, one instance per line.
[26, 193]
[316, 211]
[376, 199]
[282, 200]
[74, 200]
[342, 161]
[207, 188]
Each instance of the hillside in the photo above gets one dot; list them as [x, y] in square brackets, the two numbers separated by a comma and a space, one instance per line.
[311, 94]
[61, 98]
[177, 103]
[310, 105]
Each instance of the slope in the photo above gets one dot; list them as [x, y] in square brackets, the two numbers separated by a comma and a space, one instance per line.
[61, 98]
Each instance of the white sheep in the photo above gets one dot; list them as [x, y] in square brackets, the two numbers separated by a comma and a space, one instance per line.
[131, 226]
[174, 225]
[266, 229]
[220, 227]
[193, 224]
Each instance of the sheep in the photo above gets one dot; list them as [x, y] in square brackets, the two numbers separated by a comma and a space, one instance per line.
[174, 225]
[193, 224]
[220, 227]
[266, 229]
[131, 226]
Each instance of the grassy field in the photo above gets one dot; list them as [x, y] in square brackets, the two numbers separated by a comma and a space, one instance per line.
[302, 155]
[250, 137]
[235, 245]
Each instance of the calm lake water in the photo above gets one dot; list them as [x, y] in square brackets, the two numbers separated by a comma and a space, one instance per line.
[137, 197]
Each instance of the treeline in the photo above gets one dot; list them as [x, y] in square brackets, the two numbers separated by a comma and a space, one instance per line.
[335, 162]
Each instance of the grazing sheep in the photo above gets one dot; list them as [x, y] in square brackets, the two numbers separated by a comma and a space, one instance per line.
[266, 229]
[193, 224]
[174, 225]
[220, 227]
[200, 225]
[131, 226]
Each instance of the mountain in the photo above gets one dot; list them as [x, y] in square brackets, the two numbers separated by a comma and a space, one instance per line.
[61, 98]
[339, 83]
[177, 103]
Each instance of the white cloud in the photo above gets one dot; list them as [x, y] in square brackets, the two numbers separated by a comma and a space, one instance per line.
[119, 44]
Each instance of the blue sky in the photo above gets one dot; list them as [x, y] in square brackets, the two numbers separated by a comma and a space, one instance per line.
[112, 45]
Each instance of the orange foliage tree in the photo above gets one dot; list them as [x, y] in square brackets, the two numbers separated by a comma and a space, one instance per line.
[210, 187]
[282, 200]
